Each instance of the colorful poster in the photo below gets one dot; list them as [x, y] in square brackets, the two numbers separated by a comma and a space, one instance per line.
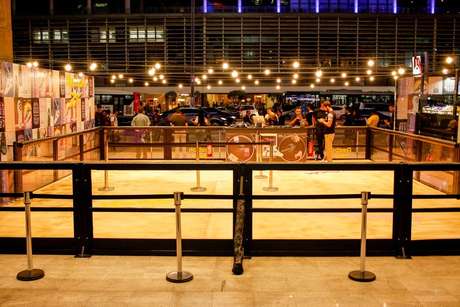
[68, 84]
[84, 101]
[70, 110]
[35, 113]
[61, 84]
[2, 115]
[7, 83]
[56, 113]
[25, 82]
[10, 107]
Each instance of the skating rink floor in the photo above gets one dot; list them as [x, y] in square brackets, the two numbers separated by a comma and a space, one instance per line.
[219, 225]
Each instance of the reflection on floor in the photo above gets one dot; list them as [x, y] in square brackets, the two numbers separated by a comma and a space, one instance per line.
[283, 281]
[219, 225]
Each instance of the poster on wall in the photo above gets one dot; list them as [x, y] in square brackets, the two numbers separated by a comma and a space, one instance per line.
[2, 115]
[70, 111]
[7, 83]
[56, 113]
[84, 101]
[25, 77]
[35, 113]
[68, 84]
[61, 84]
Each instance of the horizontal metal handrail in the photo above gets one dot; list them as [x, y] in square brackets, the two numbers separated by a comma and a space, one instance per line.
[416, 137]
[51, 138]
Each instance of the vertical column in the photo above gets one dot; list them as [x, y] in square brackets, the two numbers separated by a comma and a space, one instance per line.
[402, 210]
[82, 210]
[247, 188]
[6, 32]
[51, 4]
[127, 6]
[89, 9]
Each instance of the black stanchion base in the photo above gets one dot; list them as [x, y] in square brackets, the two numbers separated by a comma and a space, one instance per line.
[179, 277]
[29, 275]
[237, 269]
[362, 276]
[83, 256]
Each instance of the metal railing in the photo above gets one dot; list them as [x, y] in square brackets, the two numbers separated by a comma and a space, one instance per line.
[83, 242]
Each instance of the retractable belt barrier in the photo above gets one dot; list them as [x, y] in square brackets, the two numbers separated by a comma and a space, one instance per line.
[178, 276]
[198, 187]
[106, 186]
[362, 275]
[31, 273]
[270, 187]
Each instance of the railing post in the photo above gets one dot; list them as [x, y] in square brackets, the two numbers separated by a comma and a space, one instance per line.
[101, 143]
[369, 144]
[247, 188]
[56, 158]
[391, 140]
[402, 210]
[81, 142]
[17, 156]
[82, 210]
[167, 149]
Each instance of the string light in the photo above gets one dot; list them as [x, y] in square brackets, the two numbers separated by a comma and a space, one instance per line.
[146, 84]
[235, 74]
[347, 83]
[35, 64]
[371, 78]
[318, 73]
[155, 79]
[396, 77]
[256, 82]
[180, 85]
[130, 80]
[332, 80]
[357, 79]
[294, 81]
[204, 77]
[113, 77]
[371, 63]
[157, 66]
[312, 85]
[249, 77]
[296, 76]
[80, 75]
[401, 71]
[225, 65]
[208, 87]
[237, 80]
[369, 72]
[219, 82]
[161, 77]
[278, 80]
[243, 87]
[318, 80]
[29, 64]
[67, 67]
[164, 81]
[210, 71]
[296, 65]
[120, 76]
[445, 71]
[344, 75]
[449, 60]
[93, 66]
[278, 87]
[152, 71]
[267, 72]
[393, 73]
[112, 81]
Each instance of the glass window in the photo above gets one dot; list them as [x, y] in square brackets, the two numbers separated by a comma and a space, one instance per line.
[447, 6]
[222, 6]
[41, 36]
[107, 35]
[159, 33]
[60, 36]
[259, 6]
[413, 6]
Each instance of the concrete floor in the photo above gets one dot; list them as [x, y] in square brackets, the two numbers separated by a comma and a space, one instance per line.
[219, 225]
[284, 281]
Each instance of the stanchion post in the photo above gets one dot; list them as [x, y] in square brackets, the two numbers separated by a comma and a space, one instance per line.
[198, 187]
[178, 276]
[259, 156]
[31, 273]
[270, 187]
[106, 187]
[362, 275]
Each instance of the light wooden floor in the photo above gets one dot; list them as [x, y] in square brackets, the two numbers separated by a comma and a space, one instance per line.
[219, 225]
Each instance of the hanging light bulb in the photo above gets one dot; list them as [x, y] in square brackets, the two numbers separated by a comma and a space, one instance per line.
[371, 63]
[372, 78]
[312, 85]
[449, 60]
[225, 66]
[112, 81]
[357, 79]
[243, 87]
[204, 77]
[401, 71]
[396, 77]
[180, 85]
[249, 77]
[113, 77]
[278, 80]
[256, 82]
[130, 80]
[237, 80]
[267, 72]
[235, 74]
[93, 66]
[210, 71]
[120, 76]
[295, 76]
[445, 71]
[29, 64]
[157, 66]
[344, 75]
[208, 87]
[369, 72]
[220, 82]
[393, 73]
[161, 77]
[347, 83]
[332, 80]
[146, 84]
[294, 81]
[318, 80]
[35, 64]
[164, 81]
[67, 67]
[152, 71]
[278, 87]
[80, 75]
[155, 79]
[296, 65]
[318, 73]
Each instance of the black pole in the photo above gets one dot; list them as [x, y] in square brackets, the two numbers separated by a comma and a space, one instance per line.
[192, 75]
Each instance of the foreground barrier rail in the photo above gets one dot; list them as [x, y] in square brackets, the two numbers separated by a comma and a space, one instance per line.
[84, 243]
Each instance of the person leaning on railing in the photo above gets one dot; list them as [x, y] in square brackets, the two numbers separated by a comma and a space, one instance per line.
[329, 124]
[140, 120]
[178, 119]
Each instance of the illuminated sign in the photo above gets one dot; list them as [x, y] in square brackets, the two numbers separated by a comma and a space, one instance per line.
[417, 65]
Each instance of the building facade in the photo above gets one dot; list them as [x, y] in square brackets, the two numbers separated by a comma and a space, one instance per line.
[252, 36]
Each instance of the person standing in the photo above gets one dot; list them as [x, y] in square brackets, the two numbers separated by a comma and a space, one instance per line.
[329, 131]
[373, 120]
[320, 114]
[140, 120]
[178, 119]
[298, 120]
